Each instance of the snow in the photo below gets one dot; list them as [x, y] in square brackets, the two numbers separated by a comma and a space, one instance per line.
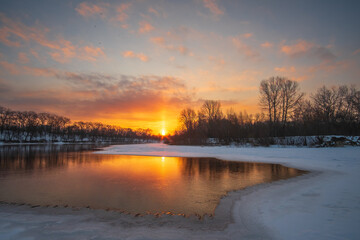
[324, 204]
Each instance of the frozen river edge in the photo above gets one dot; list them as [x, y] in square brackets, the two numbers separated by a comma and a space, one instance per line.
[321, 205]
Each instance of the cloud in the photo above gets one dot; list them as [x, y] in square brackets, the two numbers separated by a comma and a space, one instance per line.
[26, 70]
[267, 45]
[145, 27]
[218, 61]
[10, 67]
[91, 96]
[291, 69]
[213, 7]
[180, 48]
[60, 49]
[300, 47]
[356, 52]
[131, 54]
[43, 72]
[109, 12]
[330, 67]
[244, 49]
[323, 53]
[11, 33]
[305, 48]
[159, 12]
[4, 87]
[91, 53]
[35, 53]
[22, 57]
[292, 73]
[90, 9]
[122, 15]
[247, 35]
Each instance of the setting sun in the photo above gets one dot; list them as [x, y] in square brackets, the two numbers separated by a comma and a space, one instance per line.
[163, 132]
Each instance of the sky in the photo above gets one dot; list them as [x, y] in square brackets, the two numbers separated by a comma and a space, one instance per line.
[137, 63]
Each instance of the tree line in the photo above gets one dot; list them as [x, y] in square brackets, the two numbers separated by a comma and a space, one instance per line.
[29, 126]
[286, 112]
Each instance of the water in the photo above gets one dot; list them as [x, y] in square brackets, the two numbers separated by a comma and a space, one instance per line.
[72, 175]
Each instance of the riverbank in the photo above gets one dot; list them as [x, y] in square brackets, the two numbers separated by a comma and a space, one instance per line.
[321, 205]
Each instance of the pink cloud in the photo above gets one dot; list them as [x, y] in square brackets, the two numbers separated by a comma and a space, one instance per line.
[213, 7]
[130, 54]
[145, 27]
[89, 9]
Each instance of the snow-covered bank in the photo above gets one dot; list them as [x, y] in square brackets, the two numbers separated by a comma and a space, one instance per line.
[324, 205]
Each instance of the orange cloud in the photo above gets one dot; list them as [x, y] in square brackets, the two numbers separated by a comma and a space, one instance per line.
[161, 42]
[305, 48]
[11, 32]
[43, 72]
[356, 52]
[26, 70]
[213, 7]
[10, 67]
[247, 35]
[244, 48]
[121, 12]
[218, 61]
[22, 57]
[140, 56]
[266, 45]
[91, 53]
[292, 73]
[130, 100]
[291, 69]
[62, 50]
[145, 27]
[159, 12]
[90, 9]
[330, 67]
[4, 87]
[301, 46]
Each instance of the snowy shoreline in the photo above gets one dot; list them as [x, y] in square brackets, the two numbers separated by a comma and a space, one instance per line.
[321, 205]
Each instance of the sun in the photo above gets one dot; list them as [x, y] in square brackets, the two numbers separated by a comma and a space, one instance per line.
[163, 132]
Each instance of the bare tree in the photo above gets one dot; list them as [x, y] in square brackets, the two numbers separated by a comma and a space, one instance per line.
[327, 103]
[279, 96]
[290, 97]
[211, 110]
[270, 97]
[187, 120]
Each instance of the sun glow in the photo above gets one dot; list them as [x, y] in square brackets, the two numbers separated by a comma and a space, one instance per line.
[163, 132]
